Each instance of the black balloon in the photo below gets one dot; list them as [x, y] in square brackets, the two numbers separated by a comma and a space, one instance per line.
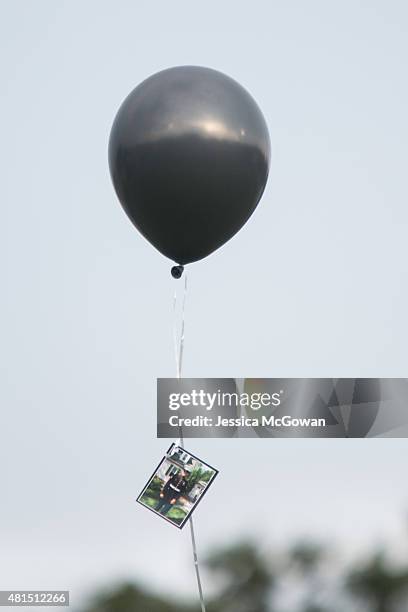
[189, 159]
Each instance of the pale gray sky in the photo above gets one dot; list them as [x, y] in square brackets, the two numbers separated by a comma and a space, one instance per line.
[314, 285]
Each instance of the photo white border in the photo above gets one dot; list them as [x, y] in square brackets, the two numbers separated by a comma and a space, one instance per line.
[181, 525]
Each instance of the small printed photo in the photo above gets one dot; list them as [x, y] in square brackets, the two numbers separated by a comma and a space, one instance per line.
[177, 486]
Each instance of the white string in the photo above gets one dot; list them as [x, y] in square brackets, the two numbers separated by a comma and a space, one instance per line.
[179, 350]
[179, 342]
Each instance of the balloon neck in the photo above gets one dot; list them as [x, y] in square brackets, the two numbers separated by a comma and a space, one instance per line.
[177, 271]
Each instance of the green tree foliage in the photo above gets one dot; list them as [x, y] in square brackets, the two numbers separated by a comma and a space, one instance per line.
[306, 557]
[249, 581]
[305, 561]
[381, 585]
[196, 475]
[130, 598]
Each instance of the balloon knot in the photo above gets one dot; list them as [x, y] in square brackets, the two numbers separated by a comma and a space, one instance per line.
[177, 271]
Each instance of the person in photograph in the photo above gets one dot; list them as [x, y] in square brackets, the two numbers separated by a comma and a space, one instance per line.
[174, 488]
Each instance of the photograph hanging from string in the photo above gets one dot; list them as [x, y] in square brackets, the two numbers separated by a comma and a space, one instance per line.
[176, 487]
